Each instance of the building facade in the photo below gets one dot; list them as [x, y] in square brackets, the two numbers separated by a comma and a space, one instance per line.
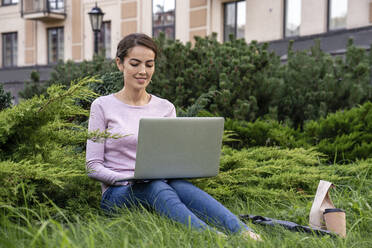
[36, 34]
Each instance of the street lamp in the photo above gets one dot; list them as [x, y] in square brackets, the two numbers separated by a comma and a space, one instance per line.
[96, 18]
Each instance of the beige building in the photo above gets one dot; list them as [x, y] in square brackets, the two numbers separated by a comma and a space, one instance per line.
[38, 33]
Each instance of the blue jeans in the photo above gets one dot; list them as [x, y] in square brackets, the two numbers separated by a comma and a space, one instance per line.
[179, 200]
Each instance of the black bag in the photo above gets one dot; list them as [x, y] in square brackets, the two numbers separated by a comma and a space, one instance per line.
[256, 219]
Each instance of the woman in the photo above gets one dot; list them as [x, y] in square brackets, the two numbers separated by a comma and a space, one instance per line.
[114, 160]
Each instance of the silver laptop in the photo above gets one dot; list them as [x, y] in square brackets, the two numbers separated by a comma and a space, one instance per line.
[184, 147]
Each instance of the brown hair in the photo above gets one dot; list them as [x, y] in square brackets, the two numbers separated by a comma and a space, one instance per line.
[132, 40]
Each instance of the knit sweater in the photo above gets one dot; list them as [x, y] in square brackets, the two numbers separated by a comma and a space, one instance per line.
[114, 159]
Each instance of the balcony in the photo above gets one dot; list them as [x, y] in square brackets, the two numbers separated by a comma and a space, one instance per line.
[43, 10]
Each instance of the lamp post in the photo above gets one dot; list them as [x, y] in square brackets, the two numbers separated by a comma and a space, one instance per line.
[96, 18]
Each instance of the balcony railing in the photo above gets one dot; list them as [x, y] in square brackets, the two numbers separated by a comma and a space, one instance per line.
[45, 10]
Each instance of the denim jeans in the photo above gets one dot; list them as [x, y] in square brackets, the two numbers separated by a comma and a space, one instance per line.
[179, 200]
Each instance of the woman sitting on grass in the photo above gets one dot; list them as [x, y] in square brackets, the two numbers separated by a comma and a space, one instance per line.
[113, 161]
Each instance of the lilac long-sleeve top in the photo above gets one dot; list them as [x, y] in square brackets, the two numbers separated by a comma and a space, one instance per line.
[114, 159]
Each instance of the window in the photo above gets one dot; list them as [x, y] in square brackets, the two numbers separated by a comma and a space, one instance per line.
[234, 20]
[292, 18]
[9, 41]
[163, 18]
[55, 44]
[9, 2]
[104, 40]
[56, 4]
[337, 12]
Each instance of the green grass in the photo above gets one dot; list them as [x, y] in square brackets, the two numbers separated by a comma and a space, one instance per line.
[272, 182]
[22, 227]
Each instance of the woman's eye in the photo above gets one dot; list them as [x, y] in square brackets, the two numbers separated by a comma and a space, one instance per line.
[149, 65]
[134, 64]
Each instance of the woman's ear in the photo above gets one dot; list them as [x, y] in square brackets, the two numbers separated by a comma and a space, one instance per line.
[119, 64]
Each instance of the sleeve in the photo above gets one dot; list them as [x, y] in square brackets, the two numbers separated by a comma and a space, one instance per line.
[172, 111]
[95, 150]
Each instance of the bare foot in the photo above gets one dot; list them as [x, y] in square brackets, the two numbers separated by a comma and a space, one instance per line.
[222, 235]
[251, 235]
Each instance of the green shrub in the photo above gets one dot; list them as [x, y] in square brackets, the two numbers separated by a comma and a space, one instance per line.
[274, 176]
[252, 83]
[39, 156]
[244, 74]
[345, 135]
[32, 88]
[5, 98]
[38, 140]
[263, 133]
[66, 72]
[250, 80]
[109, 83]
[316, 84]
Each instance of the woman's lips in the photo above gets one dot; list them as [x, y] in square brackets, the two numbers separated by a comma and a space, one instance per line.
[141, 80]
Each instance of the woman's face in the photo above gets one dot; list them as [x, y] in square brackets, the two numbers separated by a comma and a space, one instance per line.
[138, 67]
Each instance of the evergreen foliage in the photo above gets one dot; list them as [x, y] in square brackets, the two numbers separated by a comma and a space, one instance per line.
[250, 80]
[273, 175]
[5, 98]
[316, 84]
[197, 108]
[42, 167]
[32, 88]
[345, 135]
[65, 72]
[38, 148]
[263, 133]
[111, 82]
[244, 74]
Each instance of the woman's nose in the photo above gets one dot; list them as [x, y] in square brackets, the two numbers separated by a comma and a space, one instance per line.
[142, 69]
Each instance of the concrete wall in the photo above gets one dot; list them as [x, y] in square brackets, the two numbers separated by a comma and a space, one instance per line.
[13, 79]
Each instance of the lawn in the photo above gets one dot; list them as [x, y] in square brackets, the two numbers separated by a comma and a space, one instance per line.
[40, 226]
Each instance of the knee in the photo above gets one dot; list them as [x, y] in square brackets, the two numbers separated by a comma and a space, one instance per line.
[161, 192]
[158, 187]
[115, 198]
[176, 183]
[182, 187]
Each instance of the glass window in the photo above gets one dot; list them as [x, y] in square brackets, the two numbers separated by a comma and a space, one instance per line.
[234, 20]
[163, 18]
[292, 18]
[56, 4]
[55, 44]
[337, 10]
[9, 2]
[9, 49]
[104, 40]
